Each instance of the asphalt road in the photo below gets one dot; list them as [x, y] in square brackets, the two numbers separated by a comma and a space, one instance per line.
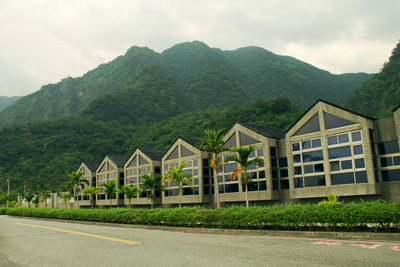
[25, 242]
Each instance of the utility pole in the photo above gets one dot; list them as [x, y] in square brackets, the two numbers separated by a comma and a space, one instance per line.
[8, 191]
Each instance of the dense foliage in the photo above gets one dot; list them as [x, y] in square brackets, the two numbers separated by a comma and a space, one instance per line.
[145, 86]
[42, 154]
[380, 94]
[7, 101]
[367, 216]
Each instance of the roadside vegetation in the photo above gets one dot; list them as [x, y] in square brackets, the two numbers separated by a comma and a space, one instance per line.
[376, 216]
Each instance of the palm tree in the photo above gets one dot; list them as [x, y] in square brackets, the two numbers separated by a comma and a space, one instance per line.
[76, 179]
[129, 192]
[176, 174]
[152, 183]
[92, 191]
[65, 196]
[36, 200]
[110, 189]
[28, 197]
[44, 196]
[243, 159]
[215, 144]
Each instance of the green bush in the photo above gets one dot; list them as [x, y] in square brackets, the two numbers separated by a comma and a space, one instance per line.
[365, 216]
[3, 211]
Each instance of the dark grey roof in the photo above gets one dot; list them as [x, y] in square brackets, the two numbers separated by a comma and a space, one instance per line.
[192, 141]
[331, 104]
[265, 131]
[154, 154]
[118, 160]
[92, 165]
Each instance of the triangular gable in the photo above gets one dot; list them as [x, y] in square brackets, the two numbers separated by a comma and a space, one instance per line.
[174, 154]
[333, 121]
[231, 142]
[310, 126]
[103, 167]
[133, 162]
[142, 160]
[186, 152]
[245, 140]
[111, 166]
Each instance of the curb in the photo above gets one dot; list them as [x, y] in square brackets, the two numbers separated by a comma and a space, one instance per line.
[241, 232]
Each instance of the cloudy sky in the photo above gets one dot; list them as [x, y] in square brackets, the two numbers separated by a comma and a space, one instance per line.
[44, 41]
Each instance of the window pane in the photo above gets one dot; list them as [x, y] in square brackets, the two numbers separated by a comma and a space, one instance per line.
[391, 175]
[298, 182]
[361, 177]
[335, 166]
[359, 163]
[296, 146]
[332, 140]
[343, 138]
[230, 167]
[319, 167]
[396, 160]
[283, 162]
[308, 169]
[275, 185]
[388, 147]
[358, 150]
[386, 162]
[262, 185]
[297, 170]
[231, 188]
[251, 186]
[342, 178]
[284, 173]
[285, 184]
[246, 140]
[312, 181]
[312, 156]
[356, 136]
[273, 163]
[273, 151]
[260, 152]
[316, 143]
[347, 164]
[339, 152]
[306, 144]
[261, 174]
[296, 158]
[252, 154]
[274, 174]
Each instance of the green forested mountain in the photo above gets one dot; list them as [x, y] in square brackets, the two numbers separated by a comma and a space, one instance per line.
[6, 101]
[184, 78]
[380, 94]
[42, 154]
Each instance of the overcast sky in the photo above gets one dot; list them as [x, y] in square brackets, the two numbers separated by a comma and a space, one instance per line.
[44, 41]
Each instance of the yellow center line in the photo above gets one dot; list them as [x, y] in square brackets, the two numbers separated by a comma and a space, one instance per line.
[85, 234]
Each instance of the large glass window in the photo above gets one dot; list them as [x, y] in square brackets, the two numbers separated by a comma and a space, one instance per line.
[312, 156]
[332, 121]
[391, 175]
[339, 152]
[388, 148]
[309, 127]
[247, 140]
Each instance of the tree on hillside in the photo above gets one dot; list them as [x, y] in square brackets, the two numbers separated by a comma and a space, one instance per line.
[92, 191]
[129, 192]
[151, 183]
[176, 174]
[76, 181]
[242, 158]
[215, 144]
[110, 189]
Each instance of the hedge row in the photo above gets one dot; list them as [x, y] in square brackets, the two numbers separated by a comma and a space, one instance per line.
[367, 216]
[3, 211]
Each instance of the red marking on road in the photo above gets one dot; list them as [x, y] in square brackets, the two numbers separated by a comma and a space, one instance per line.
[328, 243]
[366, 246]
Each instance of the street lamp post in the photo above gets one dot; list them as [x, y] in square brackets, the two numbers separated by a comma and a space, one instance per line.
[8, 191]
